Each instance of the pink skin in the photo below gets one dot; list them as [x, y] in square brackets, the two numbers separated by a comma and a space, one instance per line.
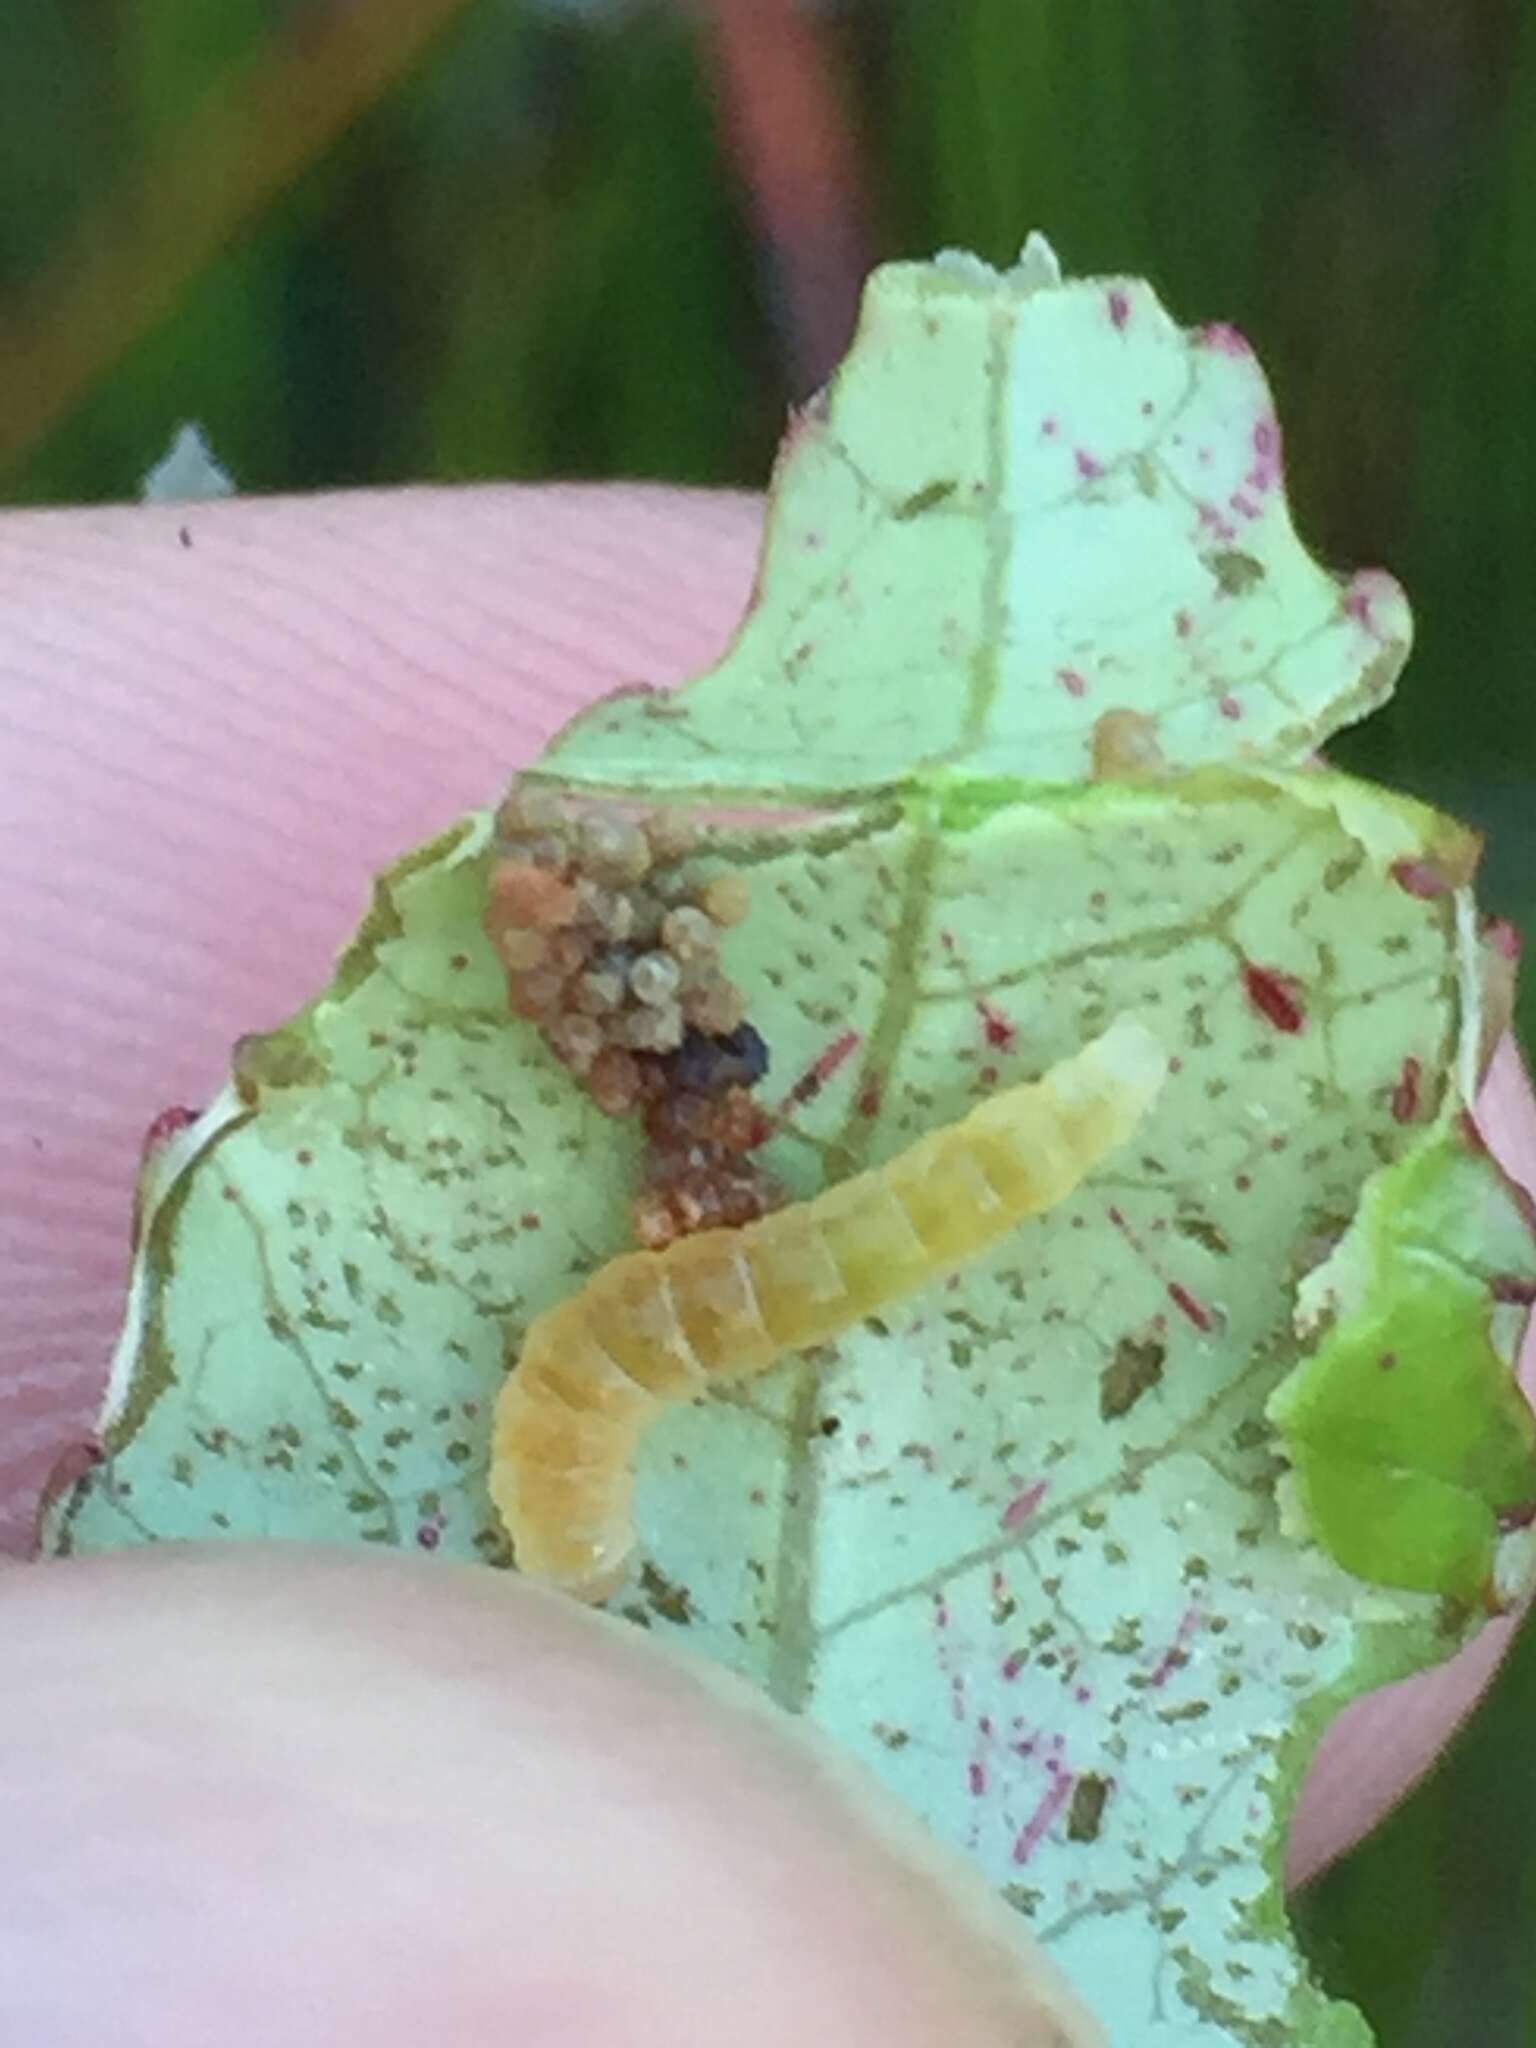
[208, 750]
[306, 1797]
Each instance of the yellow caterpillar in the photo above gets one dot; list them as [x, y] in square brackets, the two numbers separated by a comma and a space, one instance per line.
[652, 1327]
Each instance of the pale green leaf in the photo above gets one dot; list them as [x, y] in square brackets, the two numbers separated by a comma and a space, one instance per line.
[1020, 503]
[1021, 1542]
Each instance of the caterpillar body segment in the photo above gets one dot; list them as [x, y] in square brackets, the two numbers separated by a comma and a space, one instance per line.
[869, 1236]
[652, 1327]
[630, 1311]
[577, 1528]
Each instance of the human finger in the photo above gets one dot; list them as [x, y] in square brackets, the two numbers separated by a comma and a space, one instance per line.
[264, 1793]
[217, 723]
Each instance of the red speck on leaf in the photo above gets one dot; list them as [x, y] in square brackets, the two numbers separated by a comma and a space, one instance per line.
[429, 1535]
[997, 1028]
[1088, 467]
[1225, 339]
[1228, 706]
[1217, 523]
[822, 1068]
[1360, 597]
[1034, 1830]
[1357, 605]
[1184, 624]
[1190, 1305]
[531, 1220]
[1405, 1093]
[1014, 1663]
[1119, 310]
[1073, 681]
[165, 1127]
[1268, 466]
[1420, 878]
[1050, 426]
[1176, 1656]
[1275, 996]
[871, 1095]
[1505, 940]
[1023, 1505]
[977, 1778]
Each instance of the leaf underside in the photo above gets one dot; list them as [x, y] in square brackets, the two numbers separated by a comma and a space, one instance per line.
[1019, 1543]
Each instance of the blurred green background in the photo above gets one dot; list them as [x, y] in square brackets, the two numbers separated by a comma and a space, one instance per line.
[366, 241]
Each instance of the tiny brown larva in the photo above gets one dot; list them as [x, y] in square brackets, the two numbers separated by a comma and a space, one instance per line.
[652, 1327]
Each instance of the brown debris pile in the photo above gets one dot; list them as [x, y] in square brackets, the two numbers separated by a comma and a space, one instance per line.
[613, 950]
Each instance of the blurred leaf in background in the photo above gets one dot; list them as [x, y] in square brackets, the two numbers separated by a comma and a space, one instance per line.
[467, 239]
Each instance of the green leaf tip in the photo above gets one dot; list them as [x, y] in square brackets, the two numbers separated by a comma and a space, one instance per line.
[1413, 1447]
[1082, 511]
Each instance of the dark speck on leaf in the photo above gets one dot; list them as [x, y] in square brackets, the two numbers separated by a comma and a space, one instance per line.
[1136, 1367]
[1087, 1808]
[665, 1597]
[1202, 1231]
[1234, 571]
[925, 500]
